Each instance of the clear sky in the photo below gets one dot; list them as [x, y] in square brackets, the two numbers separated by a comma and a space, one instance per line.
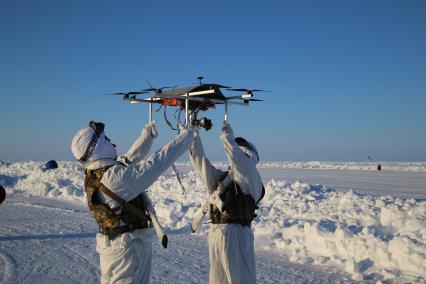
[347, 78]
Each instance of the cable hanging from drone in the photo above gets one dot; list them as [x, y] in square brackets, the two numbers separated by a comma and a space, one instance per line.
[167, 120]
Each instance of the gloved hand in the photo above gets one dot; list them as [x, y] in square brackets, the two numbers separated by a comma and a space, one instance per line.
[152, 129]
[164, 241]
[196, 141]
[226, 128]
[196, 134]
[182, 126]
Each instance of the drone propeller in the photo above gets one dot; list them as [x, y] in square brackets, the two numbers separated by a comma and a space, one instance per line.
[156, 90]
[248, 94]
[222, 86]
[128, 93]
[247, 90]
[245, 99]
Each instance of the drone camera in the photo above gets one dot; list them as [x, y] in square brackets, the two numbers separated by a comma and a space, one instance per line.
[203, 122]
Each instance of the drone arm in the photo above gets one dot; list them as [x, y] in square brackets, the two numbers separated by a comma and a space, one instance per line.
[186, 110]
[150, 112]
[226, 111]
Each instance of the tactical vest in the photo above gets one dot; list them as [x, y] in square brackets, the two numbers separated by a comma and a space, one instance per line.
[109, 220]
[239, 207]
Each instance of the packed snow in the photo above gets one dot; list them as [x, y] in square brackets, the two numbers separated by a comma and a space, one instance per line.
[305, 226]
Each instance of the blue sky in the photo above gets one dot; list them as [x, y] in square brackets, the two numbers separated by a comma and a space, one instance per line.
[347, 78]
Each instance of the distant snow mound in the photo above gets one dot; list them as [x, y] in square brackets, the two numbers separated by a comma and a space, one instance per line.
[3, 164]
[354, 166]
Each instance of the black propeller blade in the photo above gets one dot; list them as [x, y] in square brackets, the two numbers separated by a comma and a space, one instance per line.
[222, 86]
[158, 90]
[251, 100]
[128, 93]
[247, 97]
[246, 90]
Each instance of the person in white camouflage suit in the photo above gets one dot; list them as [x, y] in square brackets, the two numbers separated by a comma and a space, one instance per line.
[232, 202]
[125, 247]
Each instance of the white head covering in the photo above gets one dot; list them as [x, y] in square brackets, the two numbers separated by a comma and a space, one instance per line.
[248, 148]
[251, 152]
[103, 149]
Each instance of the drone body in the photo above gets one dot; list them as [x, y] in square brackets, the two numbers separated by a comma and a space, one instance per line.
[192, 99]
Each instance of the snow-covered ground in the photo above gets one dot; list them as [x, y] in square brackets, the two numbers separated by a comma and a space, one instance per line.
[356, 166]
[318, 230]
[405, 180]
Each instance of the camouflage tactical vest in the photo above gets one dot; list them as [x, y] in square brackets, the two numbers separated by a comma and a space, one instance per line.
[239, 207]
[106, 217]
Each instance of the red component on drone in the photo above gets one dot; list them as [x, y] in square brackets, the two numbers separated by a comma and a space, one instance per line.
[172, 102]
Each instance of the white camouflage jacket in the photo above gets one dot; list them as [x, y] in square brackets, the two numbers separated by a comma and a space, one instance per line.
[131, 175]
[243, 167]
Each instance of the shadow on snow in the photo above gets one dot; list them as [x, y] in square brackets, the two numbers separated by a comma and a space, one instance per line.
[47, 237]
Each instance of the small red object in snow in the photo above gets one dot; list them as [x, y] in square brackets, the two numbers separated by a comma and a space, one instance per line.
[2, 194]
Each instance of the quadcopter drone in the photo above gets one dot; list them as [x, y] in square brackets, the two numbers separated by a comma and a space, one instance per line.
[192, 99]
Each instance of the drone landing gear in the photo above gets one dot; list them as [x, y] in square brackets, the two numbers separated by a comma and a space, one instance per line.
[150, 117]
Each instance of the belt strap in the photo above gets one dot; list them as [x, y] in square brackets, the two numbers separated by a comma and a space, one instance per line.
[142, 215]
[115, 232]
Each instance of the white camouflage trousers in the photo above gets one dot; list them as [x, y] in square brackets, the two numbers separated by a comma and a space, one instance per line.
[231, 254]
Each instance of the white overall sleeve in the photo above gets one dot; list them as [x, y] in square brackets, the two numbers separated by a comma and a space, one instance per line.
[244, 168]
[202, 166]
[142, 145]
[128, 182]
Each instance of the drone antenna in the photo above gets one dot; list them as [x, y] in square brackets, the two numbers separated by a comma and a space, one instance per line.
[200, 79]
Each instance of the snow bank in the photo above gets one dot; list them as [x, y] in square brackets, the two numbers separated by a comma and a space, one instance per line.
[372, 238]
[31, 178]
